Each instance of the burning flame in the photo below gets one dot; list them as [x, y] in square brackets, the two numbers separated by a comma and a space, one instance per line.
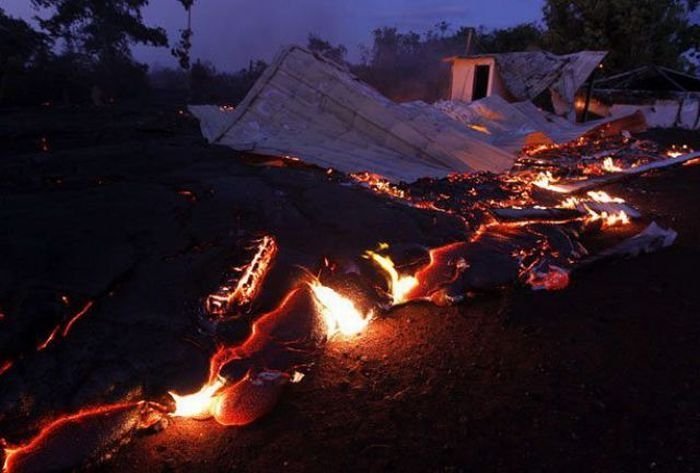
[604, 197]
[545, 180]
[479, 128]
[400, 286]
[610, 166]
[248, 286]
[199, 404]
[378, 184]
[609, 219]
[339, 313]
[675, 151]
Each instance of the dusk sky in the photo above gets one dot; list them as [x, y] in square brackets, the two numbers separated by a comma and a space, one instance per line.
[229, 33]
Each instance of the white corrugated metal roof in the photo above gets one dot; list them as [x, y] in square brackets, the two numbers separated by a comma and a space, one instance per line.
[311, 108]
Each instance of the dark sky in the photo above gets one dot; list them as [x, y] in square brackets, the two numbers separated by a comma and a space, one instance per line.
[231, 32]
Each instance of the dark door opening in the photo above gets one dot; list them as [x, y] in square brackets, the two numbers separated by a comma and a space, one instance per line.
[481, 82]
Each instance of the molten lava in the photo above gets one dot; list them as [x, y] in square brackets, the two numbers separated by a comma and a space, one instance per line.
[275, 331]
[601, 196]
[88, 305]
[339, 313]
[197, 405]
[446, 264]
[545, 180]
[62, 444]
[399, 286]
[379, 184]
[610, 166]
[553, 279]
[243, 290]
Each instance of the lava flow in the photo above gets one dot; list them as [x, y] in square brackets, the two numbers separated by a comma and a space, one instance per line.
[399, 286]
[267, 355]
[291, 321]
[609, 215]
[243, 290]
[339, 313]
[69, 441]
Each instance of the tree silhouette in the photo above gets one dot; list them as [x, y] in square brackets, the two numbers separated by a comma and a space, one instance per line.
[636, 32]
[103, 30]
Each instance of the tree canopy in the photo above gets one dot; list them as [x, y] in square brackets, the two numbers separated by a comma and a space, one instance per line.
[636, 32]
[101, 29]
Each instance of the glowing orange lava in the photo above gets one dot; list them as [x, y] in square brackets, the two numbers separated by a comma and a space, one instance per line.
[554, 279]
[244, 290]
[610, 166]
[291, 321]
[545, 180]
[197, 405]
[49, 339]
[379, 184]
[15, 457]
[339, 313]
[77, 316]
[446, 264]
[676, 151]
[399, 286]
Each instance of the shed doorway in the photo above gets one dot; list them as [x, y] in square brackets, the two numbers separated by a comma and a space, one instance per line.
[481, 82]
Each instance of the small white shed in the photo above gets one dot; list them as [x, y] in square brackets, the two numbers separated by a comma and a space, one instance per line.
[523, 76]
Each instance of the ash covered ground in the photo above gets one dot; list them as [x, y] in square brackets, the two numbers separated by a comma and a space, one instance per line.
[130, 212]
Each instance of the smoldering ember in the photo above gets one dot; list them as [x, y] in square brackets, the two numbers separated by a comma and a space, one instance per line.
[473, 249]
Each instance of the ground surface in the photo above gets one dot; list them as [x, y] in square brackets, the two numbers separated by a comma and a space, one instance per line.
[603, 376]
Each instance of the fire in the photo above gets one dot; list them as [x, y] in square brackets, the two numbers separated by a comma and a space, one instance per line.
[400, 286]
[604, 197]
[545, 180]
[199, 404]
[339, 313]
[379, 184]
[675, 151]
[246, 288]
[610, 166]
[610, 219]
[277, 329]
[480, 128]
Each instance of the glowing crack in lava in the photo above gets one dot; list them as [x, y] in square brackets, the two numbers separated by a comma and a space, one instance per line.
[65, 443]
[446, 264]
[245, 289]
[399, 286]
[339, 313]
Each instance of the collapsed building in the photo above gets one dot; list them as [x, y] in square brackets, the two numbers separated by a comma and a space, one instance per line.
[666, 97]
[307, 107]
[523, 76]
